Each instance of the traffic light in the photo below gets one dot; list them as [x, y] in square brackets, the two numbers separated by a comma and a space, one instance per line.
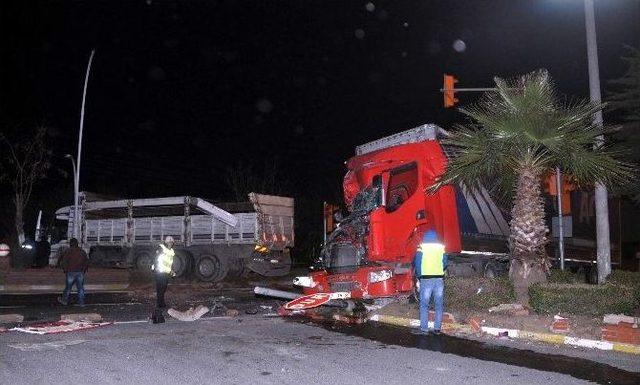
[551, 188]
[448, 90]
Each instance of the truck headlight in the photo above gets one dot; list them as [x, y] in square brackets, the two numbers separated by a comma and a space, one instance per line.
[379, 276]
[304, 281]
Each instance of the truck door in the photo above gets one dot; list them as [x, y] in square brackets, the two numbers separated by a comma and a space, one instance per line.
[402, 205]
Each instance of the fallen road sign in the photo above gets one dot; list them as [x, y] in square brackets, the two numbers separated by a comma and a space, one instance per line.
[308, 301]
[314, 300]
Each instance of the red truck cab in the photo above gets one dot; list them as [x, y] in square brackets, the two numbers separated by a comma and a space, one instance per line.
[371, 252]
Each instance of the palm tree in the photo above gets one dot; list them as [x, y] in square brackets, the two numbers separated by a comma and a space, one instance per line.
[516, 134]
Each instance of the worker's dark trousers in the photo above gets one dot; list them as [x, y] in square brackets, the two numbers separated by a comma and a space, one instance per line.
[162, 279]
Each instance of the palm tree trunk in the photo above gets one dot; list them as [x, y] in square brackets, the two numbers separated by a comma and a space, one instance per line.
[528, 234]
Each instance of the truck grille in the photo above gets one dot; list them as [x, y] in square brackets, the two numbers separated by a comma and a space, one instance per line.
[343, 286]
[343, 258]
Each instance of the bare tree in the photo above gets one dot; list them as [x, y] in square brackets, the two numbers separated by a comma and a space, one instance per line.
[242, 179]
[22, 163]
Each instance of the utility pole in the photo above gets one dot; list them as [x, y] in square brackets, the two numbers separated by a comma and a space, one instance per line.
[76, 193]
[560, 217]
[601, 198]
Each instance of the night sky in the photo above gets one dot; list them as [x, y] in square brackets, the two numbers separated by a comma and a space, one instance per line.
[182, 90]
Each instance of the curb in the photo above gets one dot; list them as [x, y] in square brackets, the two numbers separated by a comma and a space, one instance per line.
[555, 339]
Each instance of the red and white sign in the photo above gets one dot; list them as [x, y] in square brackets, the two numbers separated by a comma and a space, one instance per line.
[308, 301]
[4, 250]
[314, 300]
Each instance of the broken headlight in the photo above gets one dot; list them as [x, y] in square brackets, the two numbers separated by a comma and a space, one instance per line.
[379, 276]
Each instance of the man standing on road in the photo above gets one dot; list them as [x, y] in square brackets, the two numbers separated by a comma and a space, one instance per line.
[430, 262]
[74, 263]
[163, 268]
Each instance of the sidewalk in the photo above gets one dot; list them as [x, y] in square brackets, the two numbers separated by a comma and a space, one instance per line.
[546, 329]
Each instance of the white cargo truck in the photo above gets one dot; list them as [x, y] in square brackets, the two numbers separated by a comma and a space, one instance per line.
[212, 241]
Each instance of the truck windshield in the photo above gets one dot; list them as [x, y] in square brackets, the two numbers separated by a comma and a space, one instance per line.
[367, 199]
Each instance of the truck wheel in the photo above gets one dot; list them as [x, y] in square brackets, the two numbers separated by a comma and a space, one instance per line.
[144, 261]
[181, 264]
[210, 268]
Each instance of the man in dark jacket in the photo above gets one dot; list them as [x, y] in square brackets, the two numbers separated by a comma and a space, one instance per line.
[74, 263]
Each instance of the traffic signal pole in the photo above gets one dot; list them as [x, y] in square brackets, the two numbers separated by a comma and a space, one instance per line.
[449, 91]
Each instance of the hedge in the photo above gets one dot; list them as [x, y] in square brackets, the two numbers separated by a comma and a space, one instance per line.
[562, 276]
[627, 278]
[478, 293]
[596, 300]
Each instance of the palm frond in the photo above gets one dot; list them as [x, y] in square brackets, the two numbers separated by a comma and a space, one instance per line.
[525, 123]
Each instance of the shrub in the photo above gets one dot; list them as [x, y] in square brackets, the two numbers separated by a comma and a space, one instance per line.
[562, 276]
[629, 279]
[478, 293]
[596, 300]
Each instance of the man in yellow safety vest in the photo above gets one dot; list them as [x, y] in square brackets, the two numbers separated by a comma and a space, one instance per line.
[430, 262]
[163, 267]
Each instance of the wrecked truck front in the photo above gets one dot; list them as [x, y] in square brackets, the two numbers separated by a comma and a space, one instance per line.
[343, 265]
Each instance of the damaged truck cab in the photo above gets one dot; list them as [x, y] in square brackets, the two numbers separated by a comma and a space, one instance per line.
[371, 252]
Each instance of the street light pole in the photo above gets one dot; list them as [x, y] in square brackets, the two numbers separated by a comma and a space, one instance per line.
[601, 199]
[75, 196]
[79, 157]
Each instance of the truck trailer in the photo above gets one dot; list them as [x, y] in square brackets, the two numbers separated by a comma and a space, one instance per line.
[212, 241]
[370, 254]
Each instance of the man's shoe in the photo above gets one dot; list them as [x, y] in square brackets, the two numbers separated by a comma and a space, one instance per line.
[437, 332]
[420, 332]
[62, 301]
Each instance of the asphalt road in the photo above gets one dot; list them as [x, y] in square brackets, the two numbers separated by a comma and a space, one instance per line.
[255, 348]
[226, 351]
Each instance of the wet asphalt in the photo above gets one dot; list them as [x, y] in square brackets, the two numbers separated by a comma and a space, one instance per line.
[305, 347]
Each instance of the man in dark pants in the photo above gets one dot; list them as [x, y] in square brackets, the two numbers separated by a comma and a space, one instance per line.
[74, 263]
[430, 263]
[163, 268]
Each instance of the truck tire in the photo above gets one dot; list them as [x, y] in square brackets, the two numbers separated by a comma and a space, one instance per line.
[144, 260]
[210, 268]
[181, 263]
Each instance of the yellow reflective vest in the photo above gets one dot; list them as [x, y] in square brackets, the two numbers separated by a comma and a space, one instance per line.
[430, 260]
[164, 260]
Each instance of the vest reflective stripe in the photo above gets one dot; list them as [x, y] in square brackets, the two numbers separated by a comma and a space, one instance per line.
[431, 261]
[165, 259]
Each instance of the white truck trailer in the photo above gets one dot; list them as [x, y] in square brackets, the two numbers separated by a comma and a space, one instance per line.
[212, 241]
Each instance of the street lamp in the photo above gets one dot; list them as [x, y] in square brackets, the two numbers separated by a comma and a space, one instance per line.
[79, 158]
[75, 195]
[601, 200]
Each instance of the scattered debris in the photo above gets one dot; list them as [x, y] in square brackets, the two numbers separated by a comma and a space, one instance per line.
[232, 313]
[53, 345]
[264, 307]
[253, 310]
[91, 317]
[11, 318]
[621, 328]
[476, 324]
[189, 315]
[59, 327]
[559, 324]
[615, 319]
